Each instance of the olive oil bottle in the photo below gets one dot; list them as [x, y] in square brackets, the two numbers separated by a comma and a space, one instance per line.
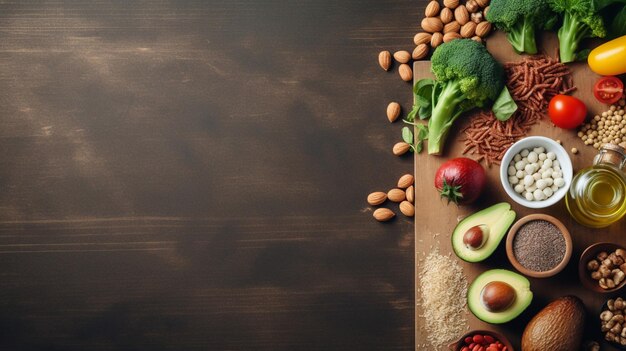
[597, 196]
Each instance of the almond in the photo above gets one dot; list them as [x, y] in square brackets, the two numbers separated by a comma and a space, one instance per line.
[376, 198]
[452, 4]
[472, 6]
[410, 194]
[384, 60]
[453, 26]
[422, 38]
[477, 39]
[383, 214]
[451, 36]
[432, 9]
[477, 17]
[396, 195]
[482, 3]
[436, 40]
[483, 28]
[420, 52]
[468, 30]
[402, 56]
[407, 209]
[485, 10]
[432, 24]
[461, 15]
[401, 148]
[393, 111]
[446, 15]
[405, 181]
[406, 73]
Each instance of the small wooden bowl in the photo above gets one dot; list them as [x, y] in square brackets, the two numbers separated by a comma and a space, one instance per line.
[585, 275]
[526, 271]
[612, 343]
[457, 345]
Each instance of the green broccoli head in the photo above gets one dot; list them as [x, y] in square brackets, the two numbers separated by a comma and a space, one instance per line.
[519, 19]
[580, 20]
[479, 75]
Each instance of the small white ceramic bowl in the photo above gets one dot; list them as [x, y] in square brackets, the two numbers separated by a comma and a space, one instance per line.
[531, 143]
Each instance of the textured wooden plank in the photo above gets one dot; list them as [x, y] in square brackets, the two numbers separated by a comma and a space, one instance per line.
[435, 217]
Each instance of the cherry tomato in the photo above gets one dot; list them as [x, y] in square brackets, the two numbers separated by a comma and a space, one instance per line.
[608, 90]
[566, 111]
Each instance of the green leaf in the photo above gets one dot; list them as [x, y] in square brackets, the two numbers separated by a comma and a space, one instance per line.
[422, 134]
[407, 135]
[411, 115]
[618, 26]
[600, 4]
[504, 106]
[422, 96]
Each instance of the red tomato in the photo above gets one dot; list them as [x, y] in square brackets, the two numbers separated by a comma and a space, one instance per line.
[608, 90]
[566, 111]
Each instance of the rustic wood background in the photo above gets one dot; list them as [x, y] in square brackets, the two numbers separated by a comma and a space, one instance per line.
[191, 175]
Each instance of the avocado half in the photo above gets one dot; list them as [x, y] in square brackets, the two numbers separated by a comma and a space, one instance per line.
[522, 298]
[495, 219]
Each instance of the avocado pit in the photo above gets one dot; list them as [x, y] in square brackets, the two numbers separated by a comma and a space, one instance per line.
[476, 236]
[497, 296]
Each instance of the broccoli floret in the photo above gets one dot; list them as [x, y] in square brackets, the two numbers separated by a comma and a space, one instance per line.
[519, 19]
[467, 77]
[580, 20]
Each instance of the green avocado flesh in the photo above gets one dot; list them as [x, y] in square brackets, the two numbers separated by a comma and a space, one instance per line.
[523, 296]
[497, 218]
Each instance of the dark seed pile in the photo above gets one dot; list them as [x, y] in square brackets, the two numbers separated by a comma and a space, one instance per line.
[539, 246]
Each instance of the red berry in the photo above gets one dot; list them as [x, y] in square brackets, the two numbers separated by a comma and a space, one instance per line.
[465, 348]
[505, 348]
[471, 346]
[468, 340]
[489, 339]
[478, 339]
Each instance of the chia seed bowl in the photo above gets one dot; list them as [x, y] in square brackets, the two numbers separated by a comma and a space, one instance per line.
[539, 246]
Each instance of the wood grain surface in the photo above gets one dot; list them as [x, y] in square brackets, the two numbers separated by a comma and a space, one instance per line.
[192, 175]
[438, 220]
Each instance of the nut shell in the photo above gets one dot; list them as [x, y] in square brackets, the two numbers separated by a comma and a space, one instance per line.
[402, 56]
[383, 214]
[405, 72]
[422, 38]
[420, 52]
[393, 111]
[384, 60]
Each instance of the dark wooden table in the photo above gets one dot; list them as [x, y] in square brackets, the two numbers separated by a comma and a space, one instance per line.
[191, 175]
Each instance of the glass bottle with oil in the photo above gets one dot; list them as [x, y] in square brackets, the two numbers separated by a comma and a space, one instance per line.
[597, 196]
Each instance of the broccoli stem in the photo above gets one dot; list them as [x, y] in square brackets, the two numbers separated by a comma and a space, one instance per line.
[570, 35]
[444, 113]
[522, 37]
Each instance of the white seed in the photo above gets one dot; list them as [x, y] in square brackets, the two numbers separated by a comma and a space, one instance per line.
[519, 188]
[520, 174]
[529, 196]
[546, 174]
[542, 156]
[532, 157]
[517, 158]
[511, 170]
[513, 180]
[532, 188]
[554, 187]
[528, 180]
[524, 153]
[537, 176]
[529, 168]
[547, 162]
[549, 181]
[557, 174]
[519, 165]
[538, 195]
[547, 192]
[541, 184]
[551, 155]
[539, 150]
[559, 182]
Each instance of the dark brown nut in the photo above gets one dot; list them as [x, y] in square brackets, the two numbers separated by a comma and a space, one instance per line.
[602, 256]
[610, 283]
[622, 341]
[607, 262]
[611, 304]
[623, 267]
[621, 253]
[603, 284]
[610, 324]
[593, 265]
[618, 318]
[623, 333]
[596, 275]
[604, 271]
[617, 328]
[606, 315]
[619, 303]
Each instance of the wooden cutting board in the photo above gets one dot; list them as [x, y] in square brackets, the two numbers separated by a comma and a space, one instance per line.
[435, 219]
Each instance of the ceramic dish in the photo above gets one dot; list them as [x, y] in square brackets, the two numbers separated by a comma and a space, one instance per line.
[457, 345]
[531, 273]
[585, 275]
[531, 143]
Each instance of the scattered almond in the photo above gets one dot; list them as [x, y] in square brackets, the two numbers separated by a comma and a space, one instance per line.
[402, 56]
[405, 181]
[468, 30]
[432, 24]
[410, 194]
[452, 4]
[477, 39]
[422, 38]
[383, 214]
[393, 111]
[401, 148]
[436, 40]
[407, 209]
[376, 198]
[396, 195]
[453, 26]
[420, 52]
[446, 15]
[483, 28]
[451, 36]
[482, 3]
[477, 17]
[384, 60]
[405, 71]
[461, 15]
[472, 6]
[432, 9]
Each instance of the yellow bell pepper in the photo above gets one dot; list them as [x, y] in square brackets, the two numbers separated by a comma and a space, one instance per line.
[609, 59]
